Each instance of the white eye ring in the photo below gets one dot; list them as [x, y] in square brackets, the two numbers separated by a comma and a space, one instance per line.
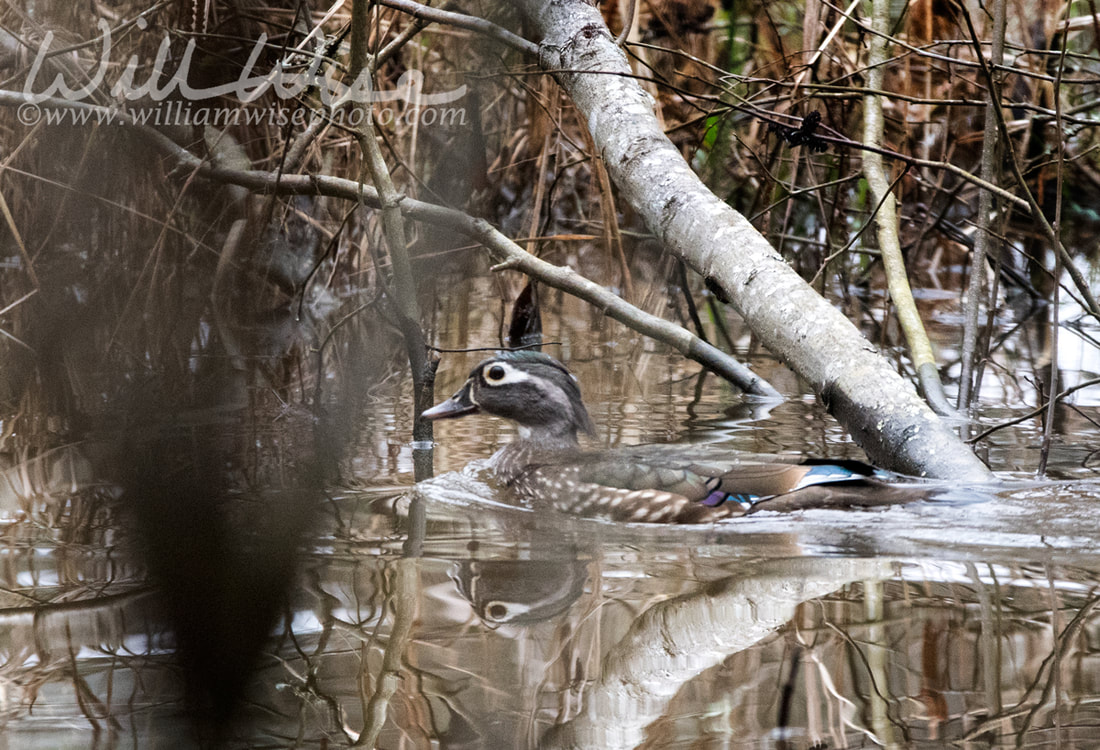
[500, 373]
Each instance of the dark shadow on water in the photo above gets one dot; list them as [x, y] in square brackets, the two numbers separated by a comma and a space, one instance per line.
[222, 559]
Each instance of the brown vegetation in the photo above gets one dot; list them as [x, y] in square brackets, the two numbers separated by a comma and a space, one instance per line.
[123, 255]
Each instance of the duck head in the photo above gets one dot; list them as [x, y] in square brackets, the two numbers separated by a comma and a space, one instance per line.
[532, 389]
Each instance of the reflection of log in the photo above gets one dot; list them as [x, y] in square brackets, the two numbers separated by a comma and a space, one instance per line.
[676, 640]
[59, 471]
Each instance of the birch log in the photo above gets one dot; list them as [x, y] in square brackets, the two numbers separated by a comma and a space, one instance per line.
[879, 408]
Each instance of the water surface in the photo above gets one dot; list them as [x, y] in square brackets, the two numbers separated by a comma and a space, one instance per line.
[968, 617]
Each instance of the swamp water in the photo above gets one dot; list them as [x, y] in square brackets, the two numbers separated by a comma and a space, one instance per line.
[965, 620]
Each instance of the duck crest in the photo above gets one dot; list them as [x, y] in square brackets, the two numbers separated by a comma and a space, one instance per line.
[649, 483]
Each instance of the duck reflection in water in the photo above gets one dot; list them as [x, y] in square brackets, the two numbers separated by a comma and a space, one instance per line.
[520, 592]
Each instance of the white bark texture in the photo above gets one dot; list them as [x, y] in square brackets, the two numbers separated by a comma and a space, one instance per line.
[879, 408]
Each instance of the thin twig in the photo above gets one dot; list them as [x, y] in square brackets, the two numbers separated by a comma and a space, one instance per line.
[1033, 413]
[403, 291]
[1036, 211]
[1048, 427]
[990, 167]
[462, 21]
[628, 22]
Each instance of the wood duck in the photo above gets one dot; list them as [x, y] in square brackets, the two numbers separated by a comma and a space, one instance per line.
[646, 483]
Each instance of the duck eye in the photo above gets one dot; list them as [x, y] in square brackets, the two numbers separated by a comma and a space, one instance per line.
[494, 374]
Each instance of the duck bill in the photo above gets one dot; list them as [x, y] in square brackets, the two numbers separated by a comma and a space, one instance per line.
[457, 405]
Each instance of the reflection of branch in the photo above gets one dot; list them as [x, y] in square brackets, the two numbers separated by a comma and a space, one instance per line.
[676, 640]
[1026, 706]
[406, 588]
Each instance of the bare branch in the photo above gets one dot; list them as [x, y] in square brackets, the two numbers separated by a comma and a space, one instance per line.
[462, 21]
